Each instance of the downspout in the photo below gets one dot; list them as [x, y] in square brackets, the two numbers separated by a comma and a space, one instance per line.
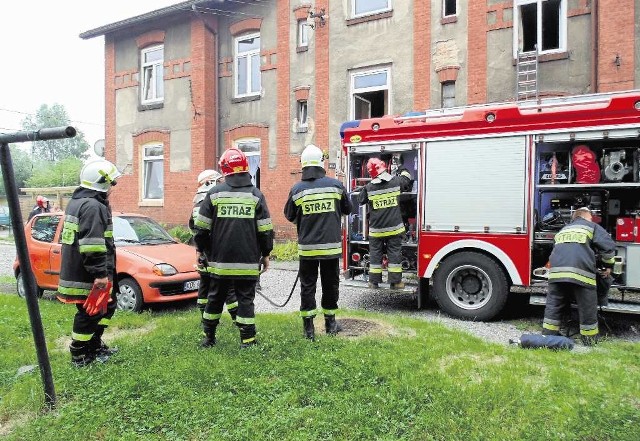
[594, 46]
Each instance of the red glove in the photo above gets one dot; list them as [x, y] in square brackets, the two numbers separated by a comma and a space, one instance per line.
[97, 300]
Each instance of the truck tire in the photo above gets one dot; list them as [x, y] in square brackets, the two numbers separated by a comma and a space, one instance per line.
[470, 286]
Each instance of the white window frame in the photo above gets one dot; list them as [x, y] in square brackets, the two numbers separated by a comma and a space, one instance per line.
[373, 11]
[303, 33]
[443, 85]
[248, 55]
[353, 91]
[303, 114]
[155, 67]
[147, 159]
[444, 4]
[237, 144]
[562, 31]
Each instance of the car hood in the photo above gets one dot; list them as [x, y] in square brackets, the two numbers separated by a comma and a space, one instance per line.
[182, 257]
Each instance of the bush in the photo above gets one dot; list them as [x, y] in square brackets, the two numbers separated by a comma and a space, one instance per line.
[285, 251]
[182, 233]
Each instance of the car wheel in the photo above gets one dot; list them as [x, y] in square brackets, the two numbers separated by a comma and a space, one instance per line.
[22, 290]
[130, 295]
[470, 286]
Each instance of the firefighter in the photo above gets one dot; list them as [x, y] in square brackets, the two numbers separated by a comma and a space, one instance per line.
[234, 234]
[87, 270]
[573, 273]
[385, 221]
[316, 205]
[208, 179]
[42, 206]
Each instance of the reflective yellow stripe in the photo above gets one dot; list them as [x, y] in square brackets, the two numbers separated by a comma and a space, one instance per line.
[551, 327]
[92, 248]
[73, 291]
[81, 337]
[208, 316]
[246, 320]
[567, 275]
[233, 272]
[387, 233]
[589, 331]
[323, 252]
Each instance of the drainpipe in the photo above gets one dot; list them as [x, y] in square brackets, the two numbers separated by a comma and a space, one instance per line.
[594, 46]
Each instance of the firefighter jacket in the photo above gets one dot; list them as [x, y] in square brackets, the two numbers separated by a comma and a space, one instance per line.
[577, 246]
[233, 228]
[197, 202]
[381, 196]
[88, 251]
[316, 205]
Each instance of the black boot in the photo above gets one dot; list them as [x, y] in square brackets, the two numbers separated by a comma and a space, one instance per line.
[233, 312]
[331, 325]
[247, 335]
[100, 349]
[81, 353]
[209, 332]
[309, 329]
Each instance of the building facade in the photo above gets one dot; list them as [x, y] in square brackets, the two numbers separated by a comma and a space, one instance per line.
[185, 82]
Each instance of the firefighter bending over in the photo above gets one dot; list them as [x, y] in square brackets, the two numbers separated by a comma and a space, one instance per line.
[234, 234]
[316, 205]
[573, 273]
[208, 179]
[385, 221]
[87, 269]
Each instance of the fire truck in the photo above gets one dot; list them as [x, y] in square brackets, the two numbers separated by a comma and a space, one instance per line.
[492, 185]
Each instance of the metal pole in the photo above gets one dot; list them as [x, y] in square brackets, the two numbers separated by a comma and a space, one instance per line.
[21, 247]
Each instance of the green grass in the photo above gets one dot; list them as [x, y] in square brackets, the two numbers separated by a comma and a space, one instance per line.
[285, 251]
[421, 382]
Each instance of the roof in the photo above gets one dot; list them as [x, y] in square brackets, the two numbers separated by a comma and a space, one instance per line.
[128, 22]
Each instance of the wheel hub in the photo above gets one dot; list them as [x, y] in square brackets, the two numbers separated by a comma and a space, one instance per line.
[471, 285]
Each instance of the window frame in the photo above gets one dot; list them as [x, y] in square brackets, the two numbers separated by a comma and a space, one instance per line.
[236, 61]
[444, 8]
[303, 33]
[251, 140]
[147, 159]
[302, 109]
[442, 94]
[373, 12]
[562, 27]
[156, 66]
[364, 72]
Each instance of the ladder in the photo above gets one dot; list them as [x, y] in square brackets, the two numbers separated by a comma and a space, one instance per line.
[527, 76]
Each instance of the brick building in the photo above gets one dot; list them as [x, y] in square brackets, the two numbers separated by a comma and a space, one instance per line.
[187, 81]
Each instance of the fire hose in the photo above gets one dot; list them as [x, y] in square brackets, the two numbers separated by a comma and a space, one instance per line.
[259, 291]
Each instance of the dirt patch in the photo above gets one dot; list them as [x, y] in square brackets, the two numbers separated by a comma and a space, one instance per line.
[7, 426]
[111, 334]
[356, 327]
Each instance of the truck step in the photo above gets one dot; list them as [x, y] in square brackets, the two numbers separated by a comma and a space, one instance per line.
[408, 286]
[625, 308]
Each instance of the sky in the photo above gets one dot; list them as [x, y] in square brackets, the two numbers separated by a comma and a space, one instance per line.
[46, 62]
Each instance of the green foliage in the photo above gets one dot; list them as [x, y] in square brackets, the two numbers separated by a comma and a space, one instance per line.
[418, 380]
[56, 149]
[285, 251]
[22, 167]
[65, 172]
[182, 233]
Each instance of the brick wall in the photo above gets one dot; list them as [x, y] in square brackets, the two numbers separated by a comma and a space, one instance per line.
[616, 39]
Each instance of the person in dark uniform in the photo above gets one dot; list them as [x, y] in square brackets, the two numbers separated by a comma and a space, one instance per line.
[42, 206]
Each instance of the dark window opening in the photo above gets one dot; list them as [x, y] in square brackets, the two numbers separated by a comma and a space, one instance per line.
[449, 7]
[370, 104]
[550, 25]
[529, 19]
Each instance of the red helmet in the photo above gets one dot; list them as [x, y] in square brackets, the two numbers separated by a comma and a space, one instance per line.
[233, 161]
[376, 166]
[41, 201]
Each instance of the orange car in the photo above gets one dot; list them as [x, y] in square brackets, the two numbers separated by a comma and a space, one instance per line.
[152, 267]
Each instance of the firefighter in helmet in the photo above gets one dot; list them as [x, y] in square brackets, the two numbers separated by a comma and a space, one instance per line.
[316, 205]
[208, 179]
[385, 221]
[87, 269]
[234, 234]
[42, 206]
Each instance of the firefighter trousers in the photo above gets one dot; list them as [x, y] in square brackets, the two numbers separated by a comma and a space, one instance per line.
[88, 329]
[203, 293]
[245, 291]
[394, 256]
[330, 281]
[559, 298]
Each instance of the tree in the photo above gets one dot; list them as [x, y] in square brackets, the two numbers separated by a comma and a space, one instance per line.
[58, 174]
[22, 167]
[56, 149]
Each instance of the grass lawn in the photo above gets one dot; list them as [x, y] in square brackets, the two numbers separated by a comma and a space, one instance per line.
[405, 380]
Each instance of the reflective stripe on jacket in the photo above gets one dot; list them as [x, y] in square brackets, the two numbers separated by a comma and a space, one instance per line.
[381, 196]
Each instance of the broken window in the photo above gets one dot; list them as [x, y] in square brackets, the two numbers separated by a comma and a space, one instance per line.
[152, 68]
[541, 25]
[448, 94]
[370, 94]
[448, 8]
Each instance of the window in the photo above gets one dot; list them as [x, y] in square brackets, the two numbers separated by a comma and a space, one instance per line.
[448, 94]
[448, 8]
[303, 33]
[251, 148]
[44, 228]
[541, 25]
[152, 69]
[370, 94]
[302, 114]
[247, 65]
[153, 172]
[367, 7]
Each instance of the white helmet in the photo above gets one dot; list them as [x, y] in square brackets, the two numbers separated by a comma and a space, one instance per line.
[208, 175]
[99, 175]
[312, 156]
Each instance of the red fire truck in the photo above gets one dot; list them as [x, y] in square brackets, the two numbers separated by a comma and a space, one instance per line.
[493, 183]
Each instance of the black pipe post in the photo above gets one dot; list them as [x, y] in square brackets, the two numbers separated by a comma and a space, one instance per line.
[21, 246]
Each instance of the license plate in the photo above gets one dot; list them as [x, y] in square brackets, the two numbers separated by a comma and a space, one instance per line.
[192, 285]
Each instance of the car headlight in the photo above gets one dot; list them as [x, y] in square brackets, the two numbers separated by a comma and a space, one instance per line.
[164, 269]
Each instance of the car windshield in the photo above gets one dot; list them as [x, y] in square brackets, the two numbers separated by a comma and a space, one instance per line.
[139, 230]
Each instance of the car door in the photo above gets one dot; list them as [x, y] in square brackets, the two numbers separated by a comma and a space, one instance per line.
[41, 246]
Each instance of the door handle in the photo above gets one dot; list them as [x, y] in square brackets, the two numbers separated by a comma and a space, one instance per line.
[56, 251]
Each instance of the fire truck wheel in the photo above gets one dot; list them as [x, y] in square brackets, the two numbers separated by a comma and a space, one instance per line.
[470, 286]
